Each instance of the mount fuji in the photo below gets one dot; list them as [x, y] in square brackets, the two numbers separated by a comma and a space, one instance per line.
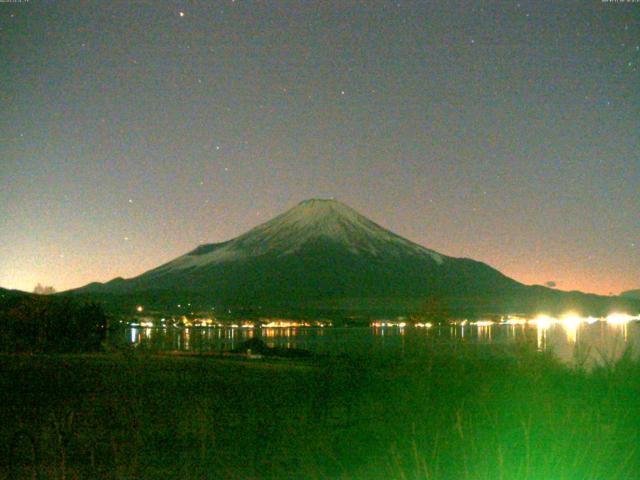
[323, 257]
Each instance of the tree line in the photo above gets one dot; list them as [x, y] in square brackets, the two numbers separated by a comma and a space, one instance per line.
[49, 324]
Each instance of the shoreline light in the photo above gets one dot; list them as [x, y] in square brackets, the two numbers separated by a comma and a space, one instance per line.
[423, 325]
[617, 318]
[515, 321]
[483, 323]
[543, 321]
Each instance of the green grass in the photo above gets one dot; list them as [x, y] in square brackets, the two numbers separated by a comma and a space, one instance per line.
[467, 413]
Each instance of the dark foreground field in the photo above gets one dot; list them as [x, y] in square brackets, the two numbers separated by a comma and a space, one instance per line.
[463, 414]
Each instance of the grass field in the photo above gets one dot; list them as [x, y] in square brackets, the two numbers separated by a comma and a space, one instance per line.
[462, 413]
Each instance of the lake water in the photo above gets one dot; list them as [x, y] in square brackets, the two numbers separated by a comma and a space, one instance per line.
[599, 339]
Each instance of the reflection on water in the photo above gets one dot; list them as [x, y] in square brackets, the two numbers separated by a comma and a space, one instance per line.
[603, 339]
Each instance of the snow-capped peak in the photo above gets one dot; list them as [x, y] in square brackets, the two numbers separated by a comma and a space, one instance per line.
[310, 220]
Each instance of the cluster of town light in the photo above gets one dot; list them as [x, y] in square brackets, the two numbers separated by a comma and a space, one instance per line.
[541, 321]
[388, 323]
[184, 321]
[571, 319]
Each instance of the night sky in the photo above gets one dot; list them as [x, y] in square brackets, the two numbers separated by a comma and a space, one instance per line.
[131, 132]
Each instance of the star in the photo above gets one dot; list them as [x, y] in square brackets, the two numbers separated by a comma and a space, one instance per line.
[181, 14]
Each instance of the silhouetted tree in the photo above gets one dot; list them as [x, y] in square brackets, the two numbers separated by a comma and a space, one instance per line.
[41, 290]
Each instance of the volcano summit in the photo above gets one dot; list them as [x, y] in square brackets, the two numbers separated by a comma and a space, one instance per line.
[323, 257]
